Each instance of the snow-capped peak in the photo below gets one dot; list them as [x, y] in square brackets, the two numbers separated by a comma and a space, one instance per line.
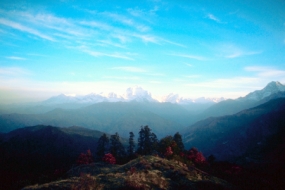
[137, 93]
[270, 88]
[175, 98]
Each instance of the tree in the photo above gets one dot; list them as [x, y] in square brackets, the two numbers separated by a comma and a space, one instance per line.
[178, 139]
[164, 143]
[154, 142]
[141, 141]
[146, 141]
[116, 147]
[131, 147]
[102, 146]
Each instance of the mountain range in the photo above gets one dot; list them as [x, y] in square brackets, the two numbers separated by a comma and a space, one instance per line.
[137, 94]
[234, 136]
[124, 117]
[272, 90]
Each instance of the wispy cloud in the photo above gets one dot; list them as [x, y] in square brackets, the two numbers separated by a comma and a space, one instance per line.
[241, 53]
[23, 28]
[190, 56]
[214, 18]
[13, 71]
[193, 76]
[189, 65]
[266, 71]
[155, 82]
[127, 21]
[174, 43]
[130, 69]
[122, 77]
[16, 58]
[227, 83]
[147, 38]
[88, 32]
[93, 53]
[230, 51]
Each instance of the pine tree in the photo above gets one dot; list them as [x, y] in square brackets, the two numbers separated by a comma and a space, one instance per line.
[117, 149]
[164, 143]
[131, 147]
[154, 142]
[178, 139]
[146, 141]
[102, 146]
[141, 141]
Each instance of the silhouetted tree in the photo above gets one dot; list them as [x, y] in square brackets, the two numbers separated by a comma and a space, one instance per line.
[116, 148]
[178, 139]
[102, 146]
[211, 159]
[154, 142]
[164, 143]
[131, 147]
[141, 141]
[146, 141]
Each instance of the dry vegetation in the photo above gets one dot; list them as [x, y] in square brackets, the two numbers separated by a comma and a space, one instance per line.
[146, 172]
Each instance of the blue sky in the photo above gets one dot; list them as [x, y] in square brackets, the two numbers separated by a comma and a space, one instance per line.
[194, 49]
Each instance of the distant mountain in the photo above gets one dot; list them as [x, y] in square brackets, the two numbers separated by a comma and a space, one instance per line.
[122, 117]
[137, 94]
[227, 107]
[271, 88]
[132, 94]
[233, 136]
[175, 98]
[35, 154]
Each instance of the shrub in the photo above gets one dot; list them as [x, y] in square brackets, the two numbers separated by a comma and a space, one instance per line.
[195, 156]
[168, 152]
[109, 158]
[85, 158]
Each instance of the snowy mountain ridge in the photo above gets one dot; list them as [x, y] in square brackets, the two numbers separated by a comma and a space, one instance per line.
[269, 89]
[138, 94]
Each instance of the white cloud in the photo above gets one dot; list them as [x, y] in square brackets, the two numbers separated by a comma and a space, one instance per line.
[240, 53]
[13, 71]
[15, 58]
[103, 54]
[147, 38]
[230, 51]
[23, 28]
[266, 71]
[122, 78]
[214, 18]
[127, 21]
[130, 69]
[196, 57]
[227, 83]
[189, 65]
[193, 76]
[155, 82]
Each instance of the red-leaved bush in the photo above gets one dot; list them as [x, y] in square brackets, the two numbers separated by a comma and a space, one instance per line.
[85, 158]
[195, 156]
[168, 152]
[109, 158]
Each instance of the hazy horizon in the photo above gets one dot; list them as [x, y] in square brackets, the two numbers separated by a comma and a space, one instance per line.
[193, 49]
